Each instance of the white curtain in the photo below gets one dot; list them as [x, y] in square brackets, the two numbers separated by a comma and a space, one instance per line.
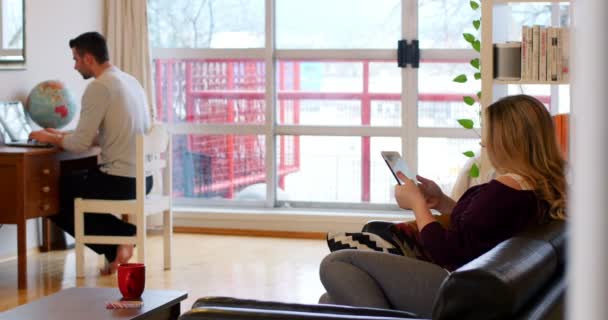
[126, 31]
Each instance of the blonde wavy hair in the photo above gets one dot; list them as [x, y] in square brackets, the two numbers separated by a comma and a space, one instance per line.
[520, 138]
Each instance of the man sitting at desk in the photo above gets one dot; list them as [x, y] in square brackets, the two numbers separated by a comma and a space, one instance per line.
[114, 111]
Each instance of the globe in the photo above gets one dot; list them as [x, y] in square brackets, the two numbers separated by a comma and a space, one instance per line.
[50, 105]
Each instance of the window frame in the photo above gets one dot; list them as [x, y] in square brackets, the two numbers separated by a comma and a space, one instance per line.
[7, 52]
[408, 131]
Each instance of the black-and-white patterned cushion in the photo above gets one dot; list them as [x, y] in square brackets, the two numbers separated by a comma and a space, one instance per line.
[360, 241]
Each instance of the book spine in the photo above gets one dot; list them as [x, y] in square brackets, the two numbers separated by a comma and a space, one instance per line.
[549, 53]
[542, 64]
[530, 56]
[558, 57]
[554, 54]
[535, 51]
[524, 53]
[565, 41]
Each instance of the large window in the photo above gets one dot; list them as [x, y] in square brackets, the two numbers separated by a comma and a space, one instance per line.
[11, 29]
[281, 103]
[337, 24]
[206, 23]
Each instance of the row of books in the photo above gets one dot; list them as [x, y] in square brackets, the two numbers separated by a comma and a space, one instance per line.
[544, 53]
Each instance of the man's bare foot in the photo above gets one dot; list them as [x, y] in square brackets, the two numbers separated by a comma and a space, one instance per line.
[124, 252]
[108, 268]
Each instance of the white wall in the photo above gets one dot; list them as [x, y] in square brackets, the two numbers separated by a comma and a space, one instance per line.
[588, 254]
[49, 27]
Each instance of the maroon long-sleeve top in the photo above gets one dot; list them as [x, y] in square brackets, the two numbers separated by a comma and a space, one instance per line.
[484, 216]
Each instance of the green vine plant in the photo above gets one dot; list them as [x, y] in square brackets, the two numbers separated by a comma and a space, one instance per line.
[470, 100]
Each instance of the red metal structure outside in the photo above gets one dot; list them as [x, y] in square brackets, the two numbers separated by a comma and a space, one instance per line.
[232, 92]
[226, 92]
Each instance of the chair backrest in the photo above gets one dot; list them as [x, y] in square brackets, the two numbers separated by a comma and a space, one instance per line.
[153, 154]
[507, 280]
[464, 180]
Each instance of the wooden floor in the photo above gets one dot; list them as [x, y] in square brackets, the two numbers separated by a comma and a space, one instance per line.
[203, 265]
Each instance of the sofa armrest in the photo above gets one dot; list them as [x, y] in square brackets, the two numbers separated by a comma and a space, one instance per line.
[549, 305]
[262, 306]
[229, 313]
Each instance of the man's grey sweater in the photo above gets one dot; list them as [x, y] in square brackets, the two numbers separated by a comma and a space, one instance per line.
[114, 109]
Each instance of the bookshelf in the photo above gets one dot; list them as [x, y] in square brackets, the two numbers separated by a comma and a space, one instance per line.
[529, 1]
[516, 82]
[488, 82]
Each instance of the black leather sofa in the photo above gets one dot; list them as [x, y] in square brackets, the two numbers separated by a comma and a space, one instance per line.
[521, 278]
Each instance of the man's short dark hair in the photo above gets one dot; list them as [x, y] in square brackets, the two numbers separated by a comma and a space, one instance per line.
[93, 43]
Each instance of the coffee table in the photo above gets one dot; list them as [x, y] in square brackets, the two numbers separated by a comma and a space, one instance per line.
[89, 304]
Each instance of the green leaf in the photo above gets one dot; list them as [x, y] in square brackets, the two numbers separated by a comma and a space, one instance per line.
[460, 79]
[477, 45]
[466, 123]
[479, 95]
[474, 5]
[469, 154]
[474, 173]
[469, 37]
[476, 24]
[468, 100]
[475, 63]
[477, 75]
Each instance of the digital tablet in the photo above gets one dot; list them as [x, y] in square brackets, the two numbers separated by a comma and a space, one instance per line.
[396, 163]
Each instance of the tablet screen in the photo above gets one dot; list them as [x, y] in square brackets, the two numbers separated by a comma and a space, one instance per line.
[396, 163]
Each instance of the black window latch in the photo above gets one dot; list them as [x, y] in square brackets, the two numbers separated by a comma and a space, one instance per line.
[408, 54]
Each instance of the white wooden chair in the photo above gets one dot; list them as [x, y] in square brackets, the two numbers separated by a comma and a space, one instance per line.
[153, 154]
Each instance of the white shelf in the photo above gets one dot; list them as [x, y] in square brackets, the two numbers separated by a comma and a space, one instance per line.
[488, 82]
[530, 1]
[529, 82]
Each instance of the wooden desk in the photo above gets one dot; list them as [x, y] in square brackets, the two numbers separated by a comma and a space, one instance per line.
[29, 188]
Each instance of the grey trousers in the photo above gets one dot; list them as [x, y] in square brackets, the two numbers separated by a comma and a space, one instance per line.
[380, 280]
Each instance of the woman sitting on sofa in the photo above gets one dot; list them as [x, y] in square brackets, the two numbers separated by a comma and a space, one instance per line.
[530, 188]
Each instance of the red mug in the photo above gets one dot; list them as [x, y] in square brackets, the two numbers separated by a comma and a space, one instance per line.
[131, 279]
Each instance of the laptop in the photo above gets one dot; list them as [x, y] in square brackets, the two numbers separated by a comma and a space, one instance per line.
[15, 128]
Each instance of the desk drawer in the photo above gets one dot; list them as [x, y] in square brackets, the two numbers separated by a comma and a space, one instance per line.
[42, 187]
[42, 197]
[42, 167]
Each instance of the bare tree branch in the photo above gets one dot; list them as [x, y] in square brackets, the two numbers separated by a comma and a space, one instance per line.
[194, 21]
[211, 24]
